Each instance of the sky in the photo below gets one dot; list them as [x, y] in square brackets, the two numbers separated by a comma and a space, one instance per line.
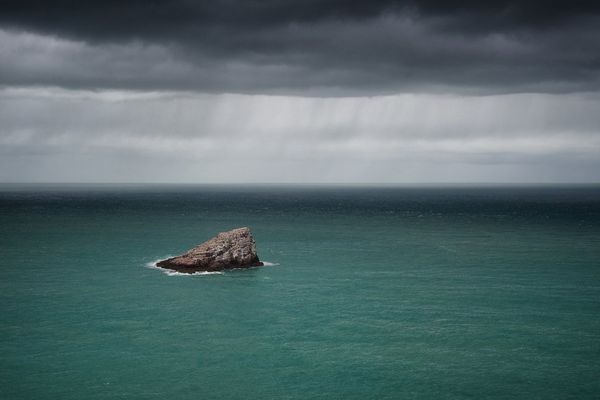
[300, 91]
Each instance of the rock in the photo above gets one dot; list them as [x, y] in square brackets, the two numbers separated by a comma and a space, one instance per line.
[232, 249]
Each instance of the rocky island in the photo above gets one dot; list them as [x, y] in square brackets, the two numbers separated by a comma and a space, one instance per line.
[227, 250]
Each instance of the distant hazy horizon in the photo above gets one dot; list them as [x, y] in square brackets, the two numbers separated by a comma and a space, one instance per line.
[300, 184]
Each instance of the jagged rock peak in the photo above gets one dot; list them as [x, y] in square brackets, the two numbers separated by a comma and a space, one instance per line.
[232, 249]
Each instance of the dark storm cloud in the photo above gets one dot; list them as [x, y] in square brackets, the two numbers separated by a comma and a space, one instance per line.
[115, 19]
[320, 47]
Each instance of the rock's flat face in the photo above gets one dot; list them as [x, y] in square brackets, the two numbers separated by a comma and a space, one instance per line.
[232, 249]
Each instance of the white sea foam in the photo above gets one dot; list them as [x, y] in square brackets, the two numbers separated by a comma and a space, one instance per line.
[269, 264]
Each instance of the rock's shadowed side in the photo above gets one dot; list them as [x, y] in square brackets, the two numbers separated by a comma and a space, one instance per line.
[232, 249]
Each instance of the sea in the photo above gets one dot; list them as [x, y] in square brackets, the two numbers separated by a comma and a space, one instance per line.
[369, 292]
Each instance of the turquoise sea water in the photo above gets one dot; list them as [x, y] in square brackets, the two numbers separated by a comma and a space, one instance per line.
[378, 293]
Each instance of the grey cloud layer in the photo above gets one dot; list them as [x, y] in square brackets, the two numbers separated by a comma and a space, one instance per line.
[277, 90]
[124, 136]
[299, 47]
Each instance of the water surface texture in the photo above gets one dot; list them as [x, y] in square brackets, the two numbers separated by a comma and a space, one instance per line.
[378, 293]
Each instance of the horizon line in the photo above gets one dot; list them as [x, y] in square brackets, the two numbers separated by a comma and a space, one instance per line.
[458, 183]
